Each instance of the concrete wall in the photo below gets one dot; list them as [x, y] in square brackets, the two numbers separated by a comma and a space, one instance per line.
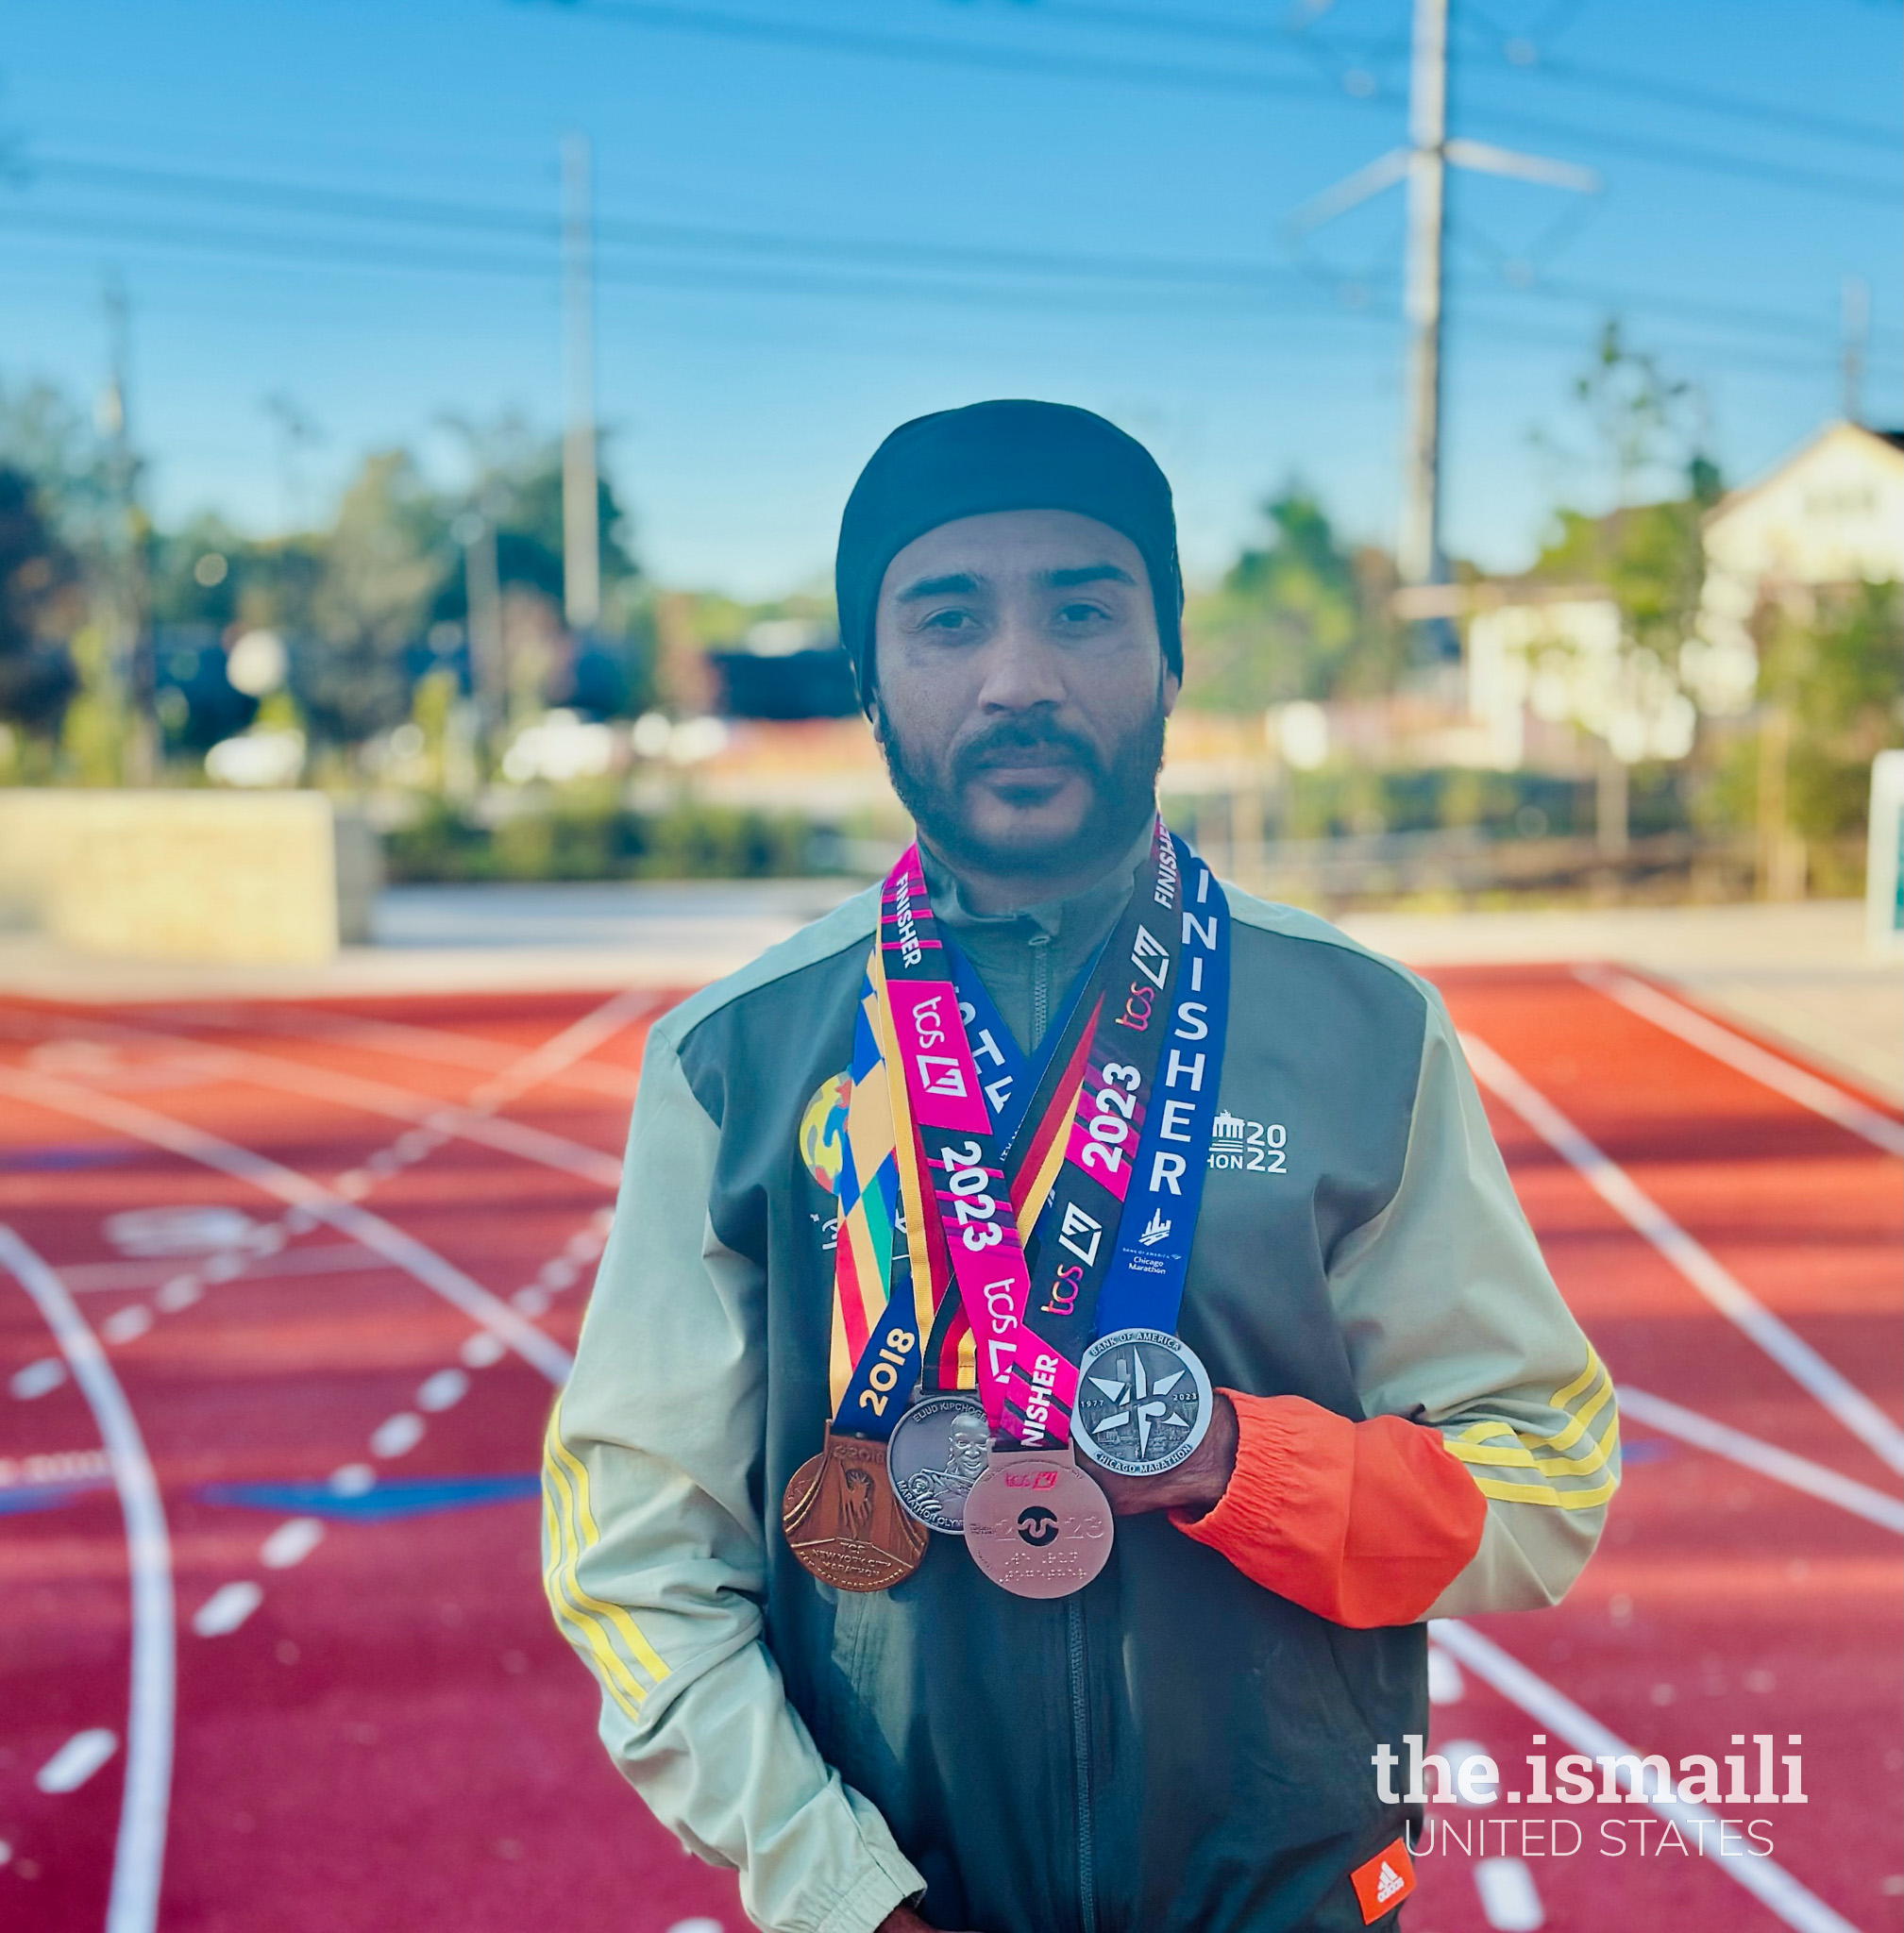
[266, 877]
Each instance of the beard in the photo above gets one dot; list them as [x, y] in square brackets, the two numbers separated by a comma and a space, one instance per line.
[1123, 786]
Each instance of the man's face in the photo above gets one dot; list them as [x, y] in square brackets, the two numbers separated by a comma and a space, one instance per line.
[1020, 690]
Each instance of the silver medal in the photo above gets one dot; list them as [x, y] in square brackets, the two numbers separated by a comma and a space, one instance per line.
[938, 1450]
[1144, 1401]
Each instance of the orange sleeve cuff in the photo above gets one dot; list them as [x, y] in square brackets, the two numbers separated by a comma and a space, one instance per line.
[1363, 1524]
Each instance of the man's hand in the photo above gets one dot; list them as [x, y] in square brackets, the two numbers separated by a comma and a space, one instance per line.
[902, 1919]
[1195, 1485]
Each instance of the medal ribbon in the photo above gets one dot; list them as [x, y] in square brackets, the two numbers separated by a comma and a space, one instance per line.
[886, 1274]
[1144, 1288]
[1026, 1379]
[874, 1246]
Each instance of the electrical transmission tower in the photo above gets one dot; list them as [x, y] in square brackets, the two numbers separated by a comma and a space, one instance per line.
[1422, 163]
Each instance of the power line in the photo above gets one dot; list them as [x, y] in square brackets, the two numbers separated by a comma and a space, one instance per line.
[933, 49]
[320, 252]
[885, 254]
[1513, 53]
[939, 51]
[371, 206]
[1707, 101]
[1676, 154]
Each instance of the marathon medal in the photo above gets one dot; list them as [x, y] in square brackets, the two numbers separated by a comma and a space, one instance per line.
[1021, 1200]
[843, 1522]
[1143, 1402]
[1144, 1399]
[840, 1515]
[1036, 1525]
[935, 1454]
[1035, 1521]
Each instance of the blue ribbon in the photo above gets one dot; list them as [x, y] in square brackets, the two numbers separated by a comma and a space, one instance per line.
[1144, 1288]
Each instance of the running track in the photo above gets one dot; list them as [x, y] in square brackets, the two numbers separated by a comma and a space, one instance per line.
[313, 1685]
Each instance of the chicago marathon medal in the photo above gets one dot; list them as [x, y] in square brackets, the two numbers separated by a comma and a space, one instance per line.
[1144, 1401]
[1036, 1525]
[935, 1455]
[843, 1522]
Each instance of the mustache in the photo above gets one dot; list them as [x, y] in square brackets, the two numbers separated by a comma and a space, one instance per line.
[996, 743]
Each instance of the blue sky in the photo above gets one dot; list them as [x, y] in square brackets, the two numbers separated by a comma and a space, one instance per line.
[1127, 163]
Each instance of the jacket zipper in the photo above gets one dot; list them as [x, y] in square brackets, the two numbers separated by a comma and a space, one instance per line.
[1041, 987]
[1080, 1765]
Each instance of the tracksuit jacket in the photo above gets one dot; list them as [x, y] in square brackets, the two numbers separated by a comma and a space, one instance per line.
[1187, 1743]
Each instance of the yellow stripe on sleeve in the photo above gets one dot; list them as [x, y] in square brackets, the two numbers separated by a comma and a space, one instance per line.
[1545, 1493]
[1562, 1398]
[580, 1534]
[1515, 1455]
[577, 1626]
[617, 1680]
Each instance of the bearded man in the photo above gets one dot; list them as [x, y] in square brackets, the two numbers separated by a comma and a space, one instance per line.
[1182, 1201]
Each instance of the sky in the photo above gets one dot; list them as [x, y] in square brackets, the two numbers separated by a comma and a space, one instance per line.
[818, 218]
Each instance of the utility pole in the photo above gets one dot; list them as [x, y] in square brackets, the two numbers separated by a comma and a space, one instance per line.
[475, 529]
[580, 532]
[1857, 326]
[1422, 163]
[1418, 552]
[133, 646]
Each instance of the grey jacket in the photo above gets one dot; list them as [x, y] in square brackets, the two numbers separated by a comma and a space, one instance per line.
[1175, 1748]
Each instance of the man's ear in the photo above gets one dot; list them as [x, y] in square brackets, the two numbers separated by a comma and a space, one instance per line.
[1170, 685]
[874, 719]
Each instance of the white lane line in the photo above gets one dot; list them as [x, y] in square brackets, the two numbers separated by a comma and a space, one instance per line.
[38, 1378]
[299, 1190]
[562, 1050]
[417, 1043]
[132, 1905]
[227, 1609]
[1753, 1452]
[445, 1119]
[1718, 1284]
[315, 1258]
[77, 1760]
[1510, 1901]
[1768, 1882]
[1756, 1063]
[396, 1435]
[1445, 1684]
[128, 1324]
[481, 1351]
[291, 1543]
[443, 1390]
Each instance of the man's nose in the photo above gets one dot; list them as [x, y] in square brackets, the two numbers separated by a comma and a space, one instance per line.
[1022, 670]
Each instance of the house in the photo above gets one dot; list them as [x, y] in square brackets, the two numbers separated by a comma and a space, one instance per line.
[1830, 513]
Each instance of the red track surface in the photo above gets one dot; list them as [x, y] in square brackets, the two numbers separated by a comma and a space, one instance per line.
[395, 1737]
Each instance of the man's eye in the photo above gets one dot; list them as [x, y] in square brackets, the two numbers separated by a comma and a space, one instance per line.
[946, 621]
[1081, 613]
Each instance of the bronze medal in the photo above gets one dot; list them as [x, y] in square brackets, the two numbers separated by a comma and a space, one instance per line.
[1036, 1523]
[844, 1523]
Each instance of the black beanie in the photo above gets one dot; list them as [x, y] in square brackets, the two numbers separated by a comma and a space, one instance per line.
[992, 457]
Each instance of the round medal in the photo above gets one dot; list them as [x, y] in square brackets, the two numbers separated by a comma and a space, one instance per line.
[843, 1522]
[1144, 1401]
[936, 1453]
[1036, 1525]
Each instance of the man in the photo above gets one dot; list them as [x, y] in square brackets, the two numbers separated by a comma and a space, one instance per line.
[1407, 1422]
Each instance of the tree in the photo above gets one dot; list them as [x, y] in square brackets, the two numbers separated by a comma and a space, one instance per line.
[1300, 618]
[1649, 557]
[380, 565]
[38, 606]
[1834, 668]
